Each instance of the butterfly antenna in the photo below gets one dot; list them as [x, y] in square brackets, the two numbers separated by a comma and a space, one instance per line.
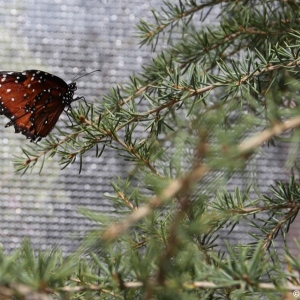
[85, 74]
[83, 70]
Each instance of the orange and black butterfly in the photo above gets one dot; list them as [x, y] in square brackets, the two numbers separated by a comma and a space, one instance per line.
[33, 100]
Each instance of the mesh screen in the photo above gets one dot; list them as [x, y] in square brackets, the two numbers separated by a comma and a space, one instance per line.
[64, 37]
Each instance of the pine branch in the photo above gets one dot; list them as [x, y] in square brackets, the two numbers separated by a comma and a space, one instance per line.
[176, 186]
[234, 81]
[205, 106]
[23, 290]
[170, 17]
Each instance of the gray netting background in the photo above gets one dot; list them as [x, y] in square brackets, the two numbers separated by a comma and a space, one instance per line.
[63, 37]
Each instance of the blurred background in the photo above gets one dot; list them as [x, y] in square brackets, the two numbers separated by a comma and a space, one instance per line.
[63, 37]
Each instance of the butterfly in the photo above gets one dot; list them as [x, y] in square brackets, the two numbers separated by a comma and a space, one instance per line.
[33, 100]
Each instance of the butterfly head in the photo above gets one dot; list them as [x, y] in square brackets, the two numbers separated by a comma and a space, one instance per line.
[72, 86]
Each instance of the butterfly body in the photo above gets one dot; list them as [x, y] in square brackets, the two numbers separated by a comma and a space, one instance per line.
[33, 100]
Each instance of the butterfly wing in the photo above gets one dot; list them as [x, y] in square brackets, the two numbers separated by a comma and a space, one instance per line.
[48, 108]
[33, 101]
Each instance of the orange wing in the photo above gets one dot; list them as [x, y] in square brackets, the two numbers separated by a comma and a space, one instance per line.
[33, 101]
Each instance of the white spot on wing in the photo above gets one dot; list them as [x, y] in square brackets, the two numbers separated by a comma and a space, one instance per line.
[8, 90]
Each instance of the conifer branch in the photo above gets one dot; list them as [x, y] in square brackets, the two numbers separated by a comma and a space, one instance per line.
[178, 185]
[204, 106]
